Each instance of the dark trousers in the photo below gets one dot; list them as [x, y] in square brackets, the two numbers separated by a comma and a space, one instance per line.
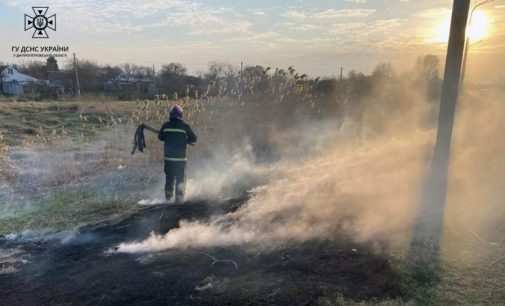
[175, 177]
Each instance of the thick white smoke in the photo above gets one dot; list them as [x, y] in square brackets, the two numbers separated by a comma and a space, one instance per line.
[346, 188]
[224, 175]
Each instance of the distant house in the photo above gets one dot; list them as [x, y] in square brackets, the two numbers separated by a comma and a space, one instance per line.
[129, 87]
[16, 83]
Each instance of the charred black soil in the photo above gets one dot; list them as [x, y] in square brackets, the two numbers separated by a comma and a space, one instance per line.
[81, 270]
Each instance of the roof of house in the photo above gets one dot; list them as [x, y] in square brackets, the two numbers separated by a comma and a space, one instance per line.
[10, 74]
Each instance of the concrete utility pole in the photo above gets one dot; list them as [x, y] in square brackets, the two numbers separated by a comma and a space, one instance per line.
[450, 87]
[425, 244]
[77, 84]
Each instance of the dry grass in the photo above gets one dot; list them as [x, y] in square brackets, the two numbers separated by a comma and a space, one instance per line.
[24, 124]
[73, 146]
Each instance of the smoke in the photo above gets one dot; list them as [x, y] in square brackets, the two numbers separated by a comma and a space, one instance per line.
[343, 190]
[225, 175]
[360, 182]
[329, 177]
[475, 211]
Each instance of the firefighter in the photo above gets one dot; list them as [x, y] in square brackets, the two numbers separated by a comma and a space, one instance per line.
[176, 134]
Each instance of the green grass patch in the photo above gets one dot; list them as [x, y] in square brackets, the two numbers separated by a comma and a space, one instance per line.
[62, 211]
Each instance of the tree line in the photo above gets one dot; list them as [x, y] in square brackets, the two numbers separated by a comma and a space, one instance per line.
[174, 81]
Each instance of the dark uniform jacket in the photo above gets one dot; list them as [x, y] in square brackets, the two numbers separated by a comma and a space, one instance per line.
[176, 134]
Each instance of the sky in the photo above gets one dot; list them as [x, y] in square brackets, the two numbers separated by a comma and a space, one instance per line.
[316, 37]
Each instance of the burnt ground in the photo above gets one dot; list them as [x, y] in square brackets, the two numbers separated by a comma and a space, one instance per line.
[80, 271]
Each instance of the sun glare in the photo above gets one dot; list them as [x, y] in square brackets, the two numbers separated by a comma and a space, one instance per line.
[477, 30]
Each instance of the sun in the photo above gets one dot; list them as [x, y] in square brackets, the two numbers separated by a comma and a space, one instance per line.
[479, 27]
[477, 30]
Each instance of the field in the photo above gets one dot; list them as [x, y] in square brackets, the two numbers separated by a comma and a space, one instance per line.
[69, 192]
